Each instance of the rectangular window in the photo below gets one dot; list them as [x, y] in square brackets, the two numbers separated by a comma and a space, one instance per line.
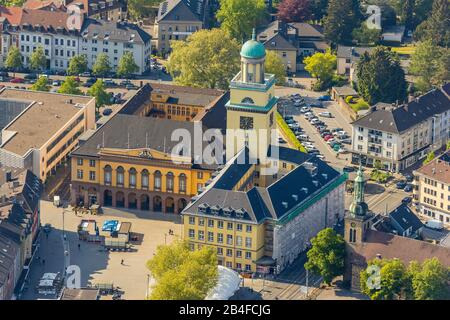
[220, 224]
[192, 233]
[229, 253]
[211, 236]
[220, 251]
[248, 255]
[91, 163]
[248, 242]
[248, 267]
[80, 161]
[191, 220]
[219, 238]
[92, 175]
[229, 239]
[201, 221]
[80, 174]
[210, 223]
[199, 175]
[201, 235]
[230, 225]
[239, 226]
[248, 228]
[238, 254]
[238, 266]
[238, 241]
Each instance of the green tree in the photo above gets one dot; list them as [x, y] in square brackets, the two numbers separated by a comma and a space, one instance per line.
[138, 9]
[274, 65]
[207, 59]
[430, 157]
[429, 281]
[70, 86]
[78, 64]
[437, 26]
[321, 66]
[447, 146]
[319, 9]
[239, 17]
[380, 77]
[102, 65]
[326, 256]
[14, 59]
[127, 65]
[389, 282]
[342, 17]
[38, 61]
[181, 274]
[98, 91]
[429, 63]
[41, 84]
[366, 36]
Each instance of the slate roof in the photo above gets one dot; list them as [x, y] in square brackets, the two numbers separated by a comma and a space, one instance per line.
[274, 201]
[279, 42]
[405, 218]
[308, 30]
[8, 251]
[398, 119]
[181, 10]
[114, 31]
[346, 52]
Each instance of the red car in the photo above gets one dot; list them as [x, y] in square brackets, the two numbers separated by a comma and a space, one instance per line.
[328, 137]
[17, 80]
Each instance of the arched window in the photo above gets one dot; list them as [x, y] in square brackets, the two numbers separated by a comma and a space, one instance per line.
[120, 176]
[107, 175]
[182, 183]
[144, 179]
[248, 100]
[132, 176]
[157, 180]
[169, 182]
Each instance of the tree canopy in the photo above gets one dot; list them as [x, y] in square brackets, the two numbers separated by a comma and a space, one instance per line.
[140, 8]
[380, 77]
[102, 65]
[294, 10]
[77, 64]
[127, 65]
[98, 91]
[207, 59]
[342, 17]
[321, 66]
[437, 26]
[274, 65]
[429, 281]
[430, 157]
[70, 86]
[14, 59]
[326, 256]
[41, 84]
[38, 61]
[182, 274]
[239, 17]
[365, 36]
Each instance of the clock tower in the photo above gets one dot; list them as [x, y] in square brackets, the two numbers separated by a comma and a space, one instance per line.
[252, 106]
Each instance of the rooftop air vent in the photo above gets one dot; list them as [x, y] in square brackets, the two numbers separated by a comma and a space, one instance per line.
[311, 168]
[305, 190]
[284, 204]
[295, 197]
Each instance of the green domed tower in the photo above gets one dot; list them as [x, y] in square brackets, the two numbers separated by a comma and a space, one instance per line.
[358, 206]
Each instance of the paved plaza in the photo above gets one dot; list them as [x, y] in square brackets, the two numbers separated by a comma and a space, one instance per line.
[98, 266]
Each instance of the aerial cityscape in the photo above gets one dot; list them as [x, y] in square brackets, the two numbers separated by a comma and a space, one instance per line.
[233, 150]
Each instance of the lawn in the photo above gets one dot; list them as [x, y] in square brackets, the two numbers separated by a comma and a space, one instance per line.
[289, 134]
[357, 104]
[407, 51]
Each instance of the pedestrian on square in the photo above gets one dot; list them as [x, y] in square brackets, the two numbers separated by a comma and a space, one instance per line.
[43, 261]
[79, 246]
[121, 262]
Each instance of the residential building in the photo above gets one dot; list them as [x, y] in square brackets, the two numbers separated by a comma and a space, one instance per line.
[19, 224]
[432, 189]
[401, 221]
[364, 243]
[172, 102]
[178, 19]
[41, 136]
[393, 34]
[115, 39]
[28, 29]
[293, 42]
[347, 59]
[260, 209]
[132, 162]
[398, 136]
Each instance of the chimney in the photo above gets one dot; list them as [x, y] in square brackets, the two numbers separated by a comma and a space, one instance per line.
[378, 256]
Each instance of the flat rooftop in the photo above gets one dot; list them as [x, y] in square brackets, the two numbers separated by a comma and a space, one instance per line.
[46, 114]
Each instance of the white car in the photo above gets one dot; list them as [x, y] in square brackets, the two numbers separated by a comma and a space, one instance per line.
[320, 156]
[326, 114]
[305, 109]
[314, 121]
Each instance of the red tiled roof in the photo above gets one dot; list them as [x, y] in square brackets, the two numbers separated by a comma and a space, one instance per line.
[39, 4]
[390, 246]
[13, 14]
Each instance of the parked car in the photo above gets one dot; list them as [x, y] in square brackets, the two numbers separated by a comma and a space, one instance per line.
[316, 104]
[109, 83]
[401, 184]
[85, 74]
[56, 83]
[346, 141]
[409, 177]
[305, 109]
[17, 80]
[324, 98]
[408, 188]
[107, 111]
[328, 137]
[131, 86]
[348, 169]
[314, 121]
[326, 114]
[434, 224]
[30, 76]
[4, 74]
[337, 129]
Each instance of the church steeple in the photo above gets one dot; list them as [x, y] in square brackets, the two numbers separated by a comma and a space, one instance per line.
[359, 207]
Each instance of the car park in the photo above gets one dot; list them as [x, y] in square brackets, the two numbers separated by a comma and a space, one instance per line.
[316, 104]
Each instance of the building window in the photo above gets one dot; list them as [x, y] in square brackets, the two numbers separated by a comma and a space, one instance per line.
[248, 242]
[108, 174]
[238, 266]
[132, 176]
[199, 175]
[248, 267]
[239, 241]
[80, 161]
[120, 176]
[210, 237]
[229, 264]
[191, 220]
[80, 174]
[210, 223]
[219, 238]
[238, 254]
[201, 221]
[229, 253]
[229, 239]
[230, 225]
[192, 233]
[239, 226]
[144, 179]
[92, 175]
[91, 163]
[158, 180]
[182, 183]
[220, 251]
[169, 182]
[220, 224]
[248, 255]
[201, 235]
[248, 228]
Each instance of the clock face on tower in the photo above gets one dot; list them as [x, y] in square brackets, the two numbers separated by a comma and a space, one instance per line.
[246, 123]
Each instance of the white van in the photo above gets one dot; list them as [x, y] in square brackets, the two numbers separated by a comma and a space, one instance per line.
[325, 114]
[434, 224]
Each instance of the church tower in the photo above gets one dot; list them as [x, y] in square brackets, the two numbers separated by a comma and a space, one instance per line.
[358, 219]
[252, 105]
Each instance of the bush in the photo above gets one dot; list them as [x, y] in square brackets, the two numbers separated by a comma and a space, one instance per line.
[349, 99]
[289, 134]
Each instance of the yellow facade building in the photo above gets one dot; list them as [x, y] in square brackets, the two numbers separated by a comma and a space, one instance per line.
[129, 163]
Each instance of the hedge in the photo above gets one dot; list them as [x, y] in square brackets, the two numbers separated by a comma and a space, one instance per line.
[289, 134]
